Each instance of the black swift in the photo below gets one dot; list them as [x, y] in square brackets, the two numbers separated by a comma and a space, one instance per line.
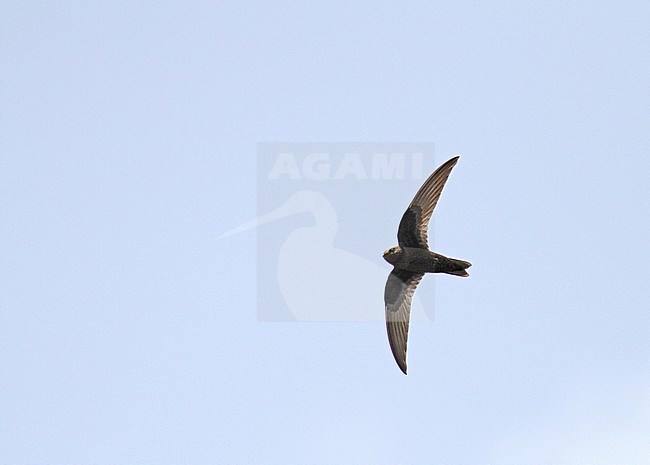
[412, 258]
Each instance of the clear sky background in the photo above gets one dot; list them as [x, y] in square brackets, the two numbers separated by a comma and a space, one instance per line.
[129, 332]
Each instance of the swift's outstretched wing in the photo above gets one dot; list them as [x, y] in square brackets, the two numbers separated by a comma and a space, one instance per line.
[399, 291]
[412, 230]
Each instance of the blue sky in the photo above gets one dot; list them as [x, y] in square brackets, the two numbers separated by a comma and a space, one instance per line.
[129, 330]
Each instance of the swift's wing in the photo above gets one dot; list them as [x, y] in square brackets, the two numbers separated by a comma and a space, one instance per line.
[412, 230]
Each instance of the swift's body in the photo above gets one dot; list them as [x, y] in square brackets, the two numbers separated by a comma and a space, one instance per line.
[424, 261]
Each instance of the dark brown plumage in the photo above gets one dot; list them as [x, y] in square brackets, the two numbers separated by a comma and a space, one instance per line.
[412, 258]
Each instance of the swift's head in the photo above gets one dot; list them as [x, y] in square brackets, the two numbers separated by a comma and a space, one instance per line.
[392, 255]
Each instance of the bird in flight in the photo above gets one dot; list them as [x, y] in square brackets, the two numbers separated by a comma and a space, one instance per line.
[412, 258]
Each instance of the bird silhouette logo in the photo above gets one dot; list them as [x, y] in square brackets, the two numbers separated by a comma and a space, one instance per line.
[318, 280]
